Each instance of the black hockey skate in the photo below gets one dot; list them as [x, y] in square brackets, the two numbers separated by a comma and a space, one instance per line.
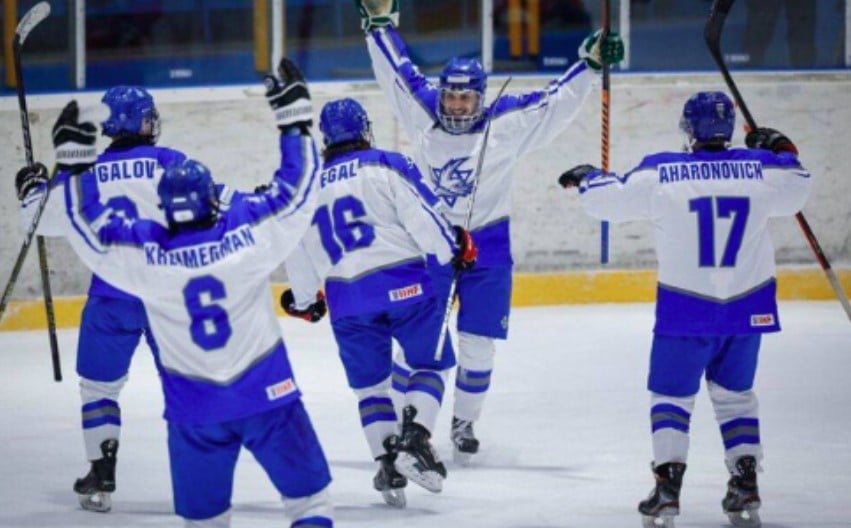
[663, 504]
[417, 459]
[742, 500]
[95, 488]
[388, 481]
[464, 440]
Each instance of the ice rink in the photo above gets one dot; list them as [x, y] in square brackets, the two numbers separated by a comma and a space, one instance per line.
[565, 434]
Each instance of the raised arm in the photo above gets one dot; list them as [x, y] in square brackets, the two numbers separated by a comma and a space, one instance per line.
[412, 96]
[532, 120]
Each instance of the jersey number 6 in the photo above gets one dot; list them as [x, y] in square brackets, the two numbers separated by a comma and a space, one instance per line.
[210, 328]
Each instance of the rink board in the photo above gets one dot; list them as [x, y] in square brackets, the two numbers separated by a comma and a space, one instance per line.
[530, 289]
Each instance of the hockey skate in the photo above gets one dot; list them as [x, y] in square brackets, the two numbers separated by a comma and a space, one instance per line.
[417, 459]
[95, 488]
[663, 504]
[465, 442]
[742, 500]
[388, 481]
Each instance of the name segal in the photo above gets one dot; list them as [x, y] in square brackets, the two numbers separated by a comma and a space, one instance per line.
[200, 255]
[710, 170]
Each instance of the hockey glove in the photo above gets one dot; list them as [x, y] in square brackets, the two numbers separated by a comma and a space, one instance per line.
[74, 142]
[595, 53]
[312, 313]
[770, 139]
[289, 98]
[573, 177]
[29, 179]
[467, 252]
[377, 13]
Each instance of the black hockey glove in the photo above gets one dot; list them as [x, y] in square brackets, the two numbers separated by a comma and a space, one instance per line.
[467, 252]
[312, 313]
[262, 188]
[573, 177]
[74, 142]
[377, 13]
[770, 139]
[29, 179]
[289, 98]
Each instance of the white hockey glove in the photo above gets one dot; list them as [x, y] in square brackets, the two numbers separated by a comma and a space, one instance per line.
[595, 53]
[289, 97]
[378, 13]
[74, 142]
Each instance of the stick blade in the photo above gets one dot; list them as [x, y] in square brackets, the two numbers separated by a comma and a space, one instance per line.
[31, 19]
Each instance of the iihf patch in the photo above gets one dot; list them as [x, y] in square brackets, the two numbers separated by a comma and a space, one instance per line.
[762, 320]
[406, 292]
[280, 389]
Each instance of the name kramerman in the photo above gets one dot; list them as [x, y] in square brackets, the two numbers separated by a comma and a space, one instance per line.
[202, 254]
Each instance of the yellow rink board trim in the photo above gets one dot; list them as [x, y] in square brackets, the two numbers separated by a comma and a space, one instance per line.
[530, 289]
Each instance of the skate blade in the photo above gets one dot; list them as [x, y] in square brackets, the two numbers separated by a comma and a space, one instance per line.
[662, 521]
[395, 497]
[746, 518]
[461, 458]
[407, 466]
[97, 502]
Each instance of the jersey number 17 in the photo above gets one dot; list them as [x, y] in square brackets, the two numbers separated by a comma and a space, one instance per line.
[708, 208]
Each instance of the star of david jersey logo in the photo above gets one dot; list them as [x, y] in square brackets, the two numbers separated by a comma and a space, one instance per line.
[451, 182]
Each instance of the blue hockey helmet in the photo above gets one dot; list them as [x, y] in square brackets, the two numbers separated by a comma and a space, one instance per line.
[708, 117]
[187, 194]
[465, 78]
[131, 112]
[344, 120]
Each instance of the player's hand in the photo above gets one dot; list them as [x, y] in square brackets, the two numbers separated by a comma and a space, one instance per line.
[377, 13]
[289, 97]
[30, 178]
[596, 53]
[74, 142]
[770, 139]
[313, 313]
[467, 252]
[573, 177]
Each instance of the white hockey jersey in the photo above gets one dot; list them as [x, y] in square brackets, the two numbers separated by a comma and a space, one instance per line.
[710, 210]
[125, 179]
[206, 292]
[519, 124]
[369, 235]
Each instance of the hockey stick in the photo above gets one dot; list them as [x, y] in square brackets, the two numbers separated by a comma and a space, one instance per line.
[444, 327]
[28, 22]
[604, 138]
[712, 34]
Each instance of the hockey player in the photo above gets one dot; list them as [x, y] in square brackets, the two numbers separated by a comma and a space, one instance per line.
[445, 123]
[202, 279]
[125, 177]
[371, 232]
[716, 293]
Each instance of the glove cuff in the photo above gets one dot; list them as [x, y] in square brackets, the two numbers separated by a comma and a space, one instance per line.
[370, 23]
[297, 112]
[73, 153]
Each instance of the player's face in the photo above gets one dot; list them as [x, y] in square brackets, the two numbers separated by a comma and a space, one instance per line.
[459, 102]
